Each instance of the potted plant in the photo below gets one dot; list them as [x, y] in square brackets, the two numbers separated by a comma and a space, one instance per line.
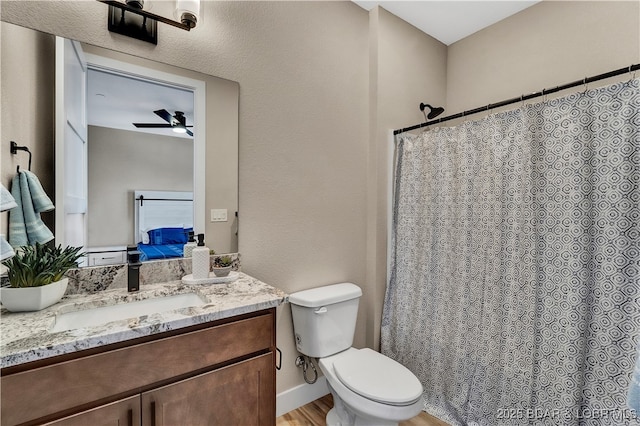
[222, 266]
[36, 276]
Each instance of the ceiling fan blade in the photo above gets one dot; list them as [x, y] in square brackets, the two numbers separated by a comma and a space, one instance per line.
[172, 121]
[152, 125]
[164, 114]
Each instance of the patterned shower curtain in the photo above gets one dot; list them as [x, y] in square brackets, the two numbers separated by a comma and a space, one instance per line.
[515, 280]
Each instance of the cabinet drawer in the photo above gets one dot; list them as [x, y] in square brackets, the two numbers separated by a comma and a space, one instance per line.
[68, 384]
[107, 258]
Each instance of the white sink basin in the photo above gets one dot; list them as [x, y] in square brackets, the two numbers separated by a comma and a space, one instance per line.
[104, 314]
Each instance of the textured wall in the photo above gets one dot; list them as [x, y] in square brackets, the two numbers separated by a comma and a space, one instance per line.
[27, 108]
[544, 46]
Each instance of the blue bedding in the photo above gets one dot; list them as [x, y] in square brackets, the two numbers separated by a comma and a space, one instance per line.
[160, 251]
[168, 235]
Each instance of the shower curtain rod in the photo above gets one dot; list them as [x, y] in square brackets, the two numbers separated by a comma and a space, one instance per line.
[523, 98]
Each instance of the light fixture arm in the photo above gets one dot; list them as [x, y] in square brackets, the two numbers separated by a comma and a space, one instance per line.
[146, 14]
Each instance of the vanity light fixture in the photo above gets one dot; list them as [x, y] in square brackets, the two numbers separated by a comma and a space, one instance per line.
[188, 12]
[127, 17]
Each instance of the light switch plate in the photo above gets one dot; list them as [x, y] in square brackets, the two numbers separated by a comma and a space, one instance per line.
[218, 215]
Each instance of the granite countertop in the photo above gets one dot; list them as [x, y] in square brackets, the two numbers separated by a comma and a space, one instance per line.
[28, 337]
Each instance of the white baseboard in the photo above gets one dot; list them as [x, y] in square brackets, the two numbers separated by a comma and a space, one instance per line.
[300, 395]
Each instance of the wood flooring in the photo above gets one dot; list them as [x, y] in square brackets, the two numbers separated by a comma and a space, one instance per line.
[313, 414]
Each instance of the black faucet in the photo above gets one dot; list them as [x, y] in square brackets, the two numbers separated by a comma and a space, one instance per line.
[133, 273]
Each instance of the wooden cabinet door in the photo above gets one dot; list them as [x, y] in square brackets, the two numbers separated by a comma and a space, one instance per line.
[240, 394]
[125, 412]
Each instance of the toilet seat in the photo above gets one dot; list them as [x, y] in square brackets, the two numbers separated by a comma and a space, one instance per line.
[377, 377]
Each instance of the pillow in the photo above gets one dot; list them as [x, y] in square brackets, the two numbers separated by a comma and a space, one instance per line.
[160, 236]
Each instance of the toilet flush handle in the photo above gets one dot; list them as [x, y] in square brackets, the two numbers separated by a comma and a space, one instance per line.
[322, 310]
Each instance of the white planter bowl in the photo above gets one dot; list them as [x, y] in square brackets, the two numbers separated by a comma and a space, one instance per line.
[32, 298]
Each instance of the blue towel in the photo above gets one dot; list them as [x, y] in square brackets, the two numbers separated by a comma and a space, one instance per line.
[6, 251]
[633, 398]
[25, 225]
[6, 200]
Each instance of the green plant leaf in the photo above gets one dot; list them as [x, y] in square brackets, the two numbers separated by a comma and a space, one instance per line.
[41, 264]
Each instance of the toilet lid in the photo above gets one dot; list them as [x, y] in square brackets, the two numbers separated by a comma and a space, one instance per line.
[377, 377]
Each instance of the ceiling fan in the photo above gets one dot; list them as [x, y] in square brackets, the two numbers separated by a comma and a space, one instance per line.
[177, 122]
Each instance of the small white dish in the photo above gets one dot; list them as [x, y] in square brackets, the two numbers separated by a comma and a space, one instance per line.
[233, 275]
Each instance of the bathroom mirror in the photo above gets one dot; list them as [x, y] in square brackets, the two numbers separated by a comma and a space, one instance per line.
[122, 161]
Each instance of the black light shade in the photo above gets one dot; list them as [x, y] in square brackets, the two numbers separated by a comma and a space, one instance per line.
[433, 111]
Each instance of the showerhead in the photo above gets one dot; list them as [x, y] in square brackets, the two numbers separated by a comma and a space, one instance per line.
[433, 111]
[436, 111]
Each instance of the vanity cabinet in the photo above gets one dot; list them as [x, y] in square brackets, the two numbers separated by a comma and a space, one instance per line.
[221, 372]
[232, 396]
[119, 413]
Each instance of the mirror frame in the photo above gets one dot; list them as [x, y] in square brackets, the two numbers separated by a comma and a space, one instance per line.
[198, 87]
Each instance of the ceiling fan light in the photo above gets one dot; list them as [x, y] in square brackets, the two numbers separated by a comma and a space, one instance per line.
[179, 129]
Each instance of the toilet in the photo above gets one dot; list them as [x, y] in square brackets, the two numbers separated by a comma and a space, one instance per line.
[368, 388]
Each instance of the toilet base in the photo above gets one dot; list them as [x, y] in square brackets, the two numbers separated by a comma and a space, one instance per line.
[340, 415]
[332, 419]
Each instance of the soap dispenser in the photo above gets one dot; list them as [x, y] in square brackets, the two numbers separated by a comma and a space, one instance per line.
[188, 248]
[200, 259]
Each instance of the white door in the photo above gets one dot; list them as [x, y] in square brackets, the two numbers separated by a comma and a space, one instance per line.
[71, 144]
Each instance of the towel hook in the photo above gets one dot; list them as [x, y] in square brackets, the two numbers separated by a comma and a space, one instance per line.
[14, 150]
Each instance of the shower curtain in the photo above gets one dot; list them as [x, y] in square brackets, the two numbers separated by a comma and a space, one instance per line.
[514, 292]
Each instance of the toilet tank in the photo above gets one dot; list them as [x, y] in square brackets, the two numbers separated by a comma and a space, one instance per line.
[324, 318]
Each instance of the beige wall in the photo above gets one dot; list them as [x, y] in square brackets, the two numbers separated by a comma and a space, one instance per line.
[303, 150]
[121, 162]
[27, 57]
[544, 46]
[320, 82]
